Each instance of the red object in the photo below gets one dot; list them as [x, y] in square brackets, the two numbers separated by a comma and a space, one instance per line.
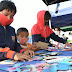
[10, 53]
[40, 27]
[4, 20]
[22, 50]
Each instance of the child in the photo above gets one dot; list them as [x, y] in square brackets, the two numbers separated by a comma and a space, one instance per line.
[9, 48]
[42, 32]
[22, 38]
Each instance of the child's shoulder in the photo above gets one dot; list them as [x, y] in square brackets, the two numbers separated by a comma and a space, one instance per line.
[11, 28]
[29, 44]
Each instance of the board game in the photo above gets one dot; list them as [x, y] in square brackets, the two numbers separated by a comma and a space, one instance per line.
[42, 62]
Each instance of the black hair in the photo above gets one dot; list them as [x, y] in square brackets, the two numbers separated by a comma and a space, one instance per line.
[47, 15]
[7, 5]
[21, 30]
[57, 28]
[63, 34]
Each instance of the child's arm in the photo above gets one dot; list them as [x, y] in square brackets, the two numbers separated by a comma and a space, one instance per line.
[3, 55]
[6, 53]
[57, 38]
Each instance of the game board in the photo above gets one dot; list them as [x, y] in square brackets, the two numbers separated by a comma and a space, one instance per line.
[63, 63]
[42, 62]
[20, 67]
[49, 54]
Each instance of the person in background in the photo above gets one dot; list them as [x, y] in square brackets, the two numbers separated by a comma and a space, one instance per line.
[22, 39]
[9, 48]
[42, 32]
[57, 31]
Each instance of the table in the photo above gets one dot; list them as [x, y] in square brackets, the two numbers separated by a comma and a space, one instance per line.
[37, 65]
[63, 53]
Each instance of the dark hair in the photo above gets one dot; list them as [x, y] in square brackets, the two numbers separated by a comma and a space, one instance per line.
[21, 30]
[47, 15]
[7, 5]
[57, 28]
[63, 34]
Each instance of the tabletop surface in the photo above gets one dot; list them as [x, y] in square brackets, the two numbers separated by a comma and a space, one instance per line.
[60, 63]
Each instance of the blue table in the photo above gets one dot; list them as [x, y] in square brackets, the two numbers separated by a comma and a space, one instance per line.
[63, 53]
[52, 68]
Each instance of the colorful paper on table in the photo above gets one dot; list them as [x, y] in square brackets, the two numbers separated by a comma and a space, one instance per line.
[7, 62]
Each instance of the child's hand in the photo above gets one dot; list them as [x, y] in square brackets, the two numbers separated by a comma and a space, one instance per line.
[56, 46]
[34, 48]
[29, 52]
[21, 57]
[70, 45]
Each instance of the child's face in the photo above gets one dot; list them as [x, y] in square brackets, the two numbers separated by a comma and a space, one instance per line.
[23, 37]
[6, 17]
[8, 13]
[56, 29]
